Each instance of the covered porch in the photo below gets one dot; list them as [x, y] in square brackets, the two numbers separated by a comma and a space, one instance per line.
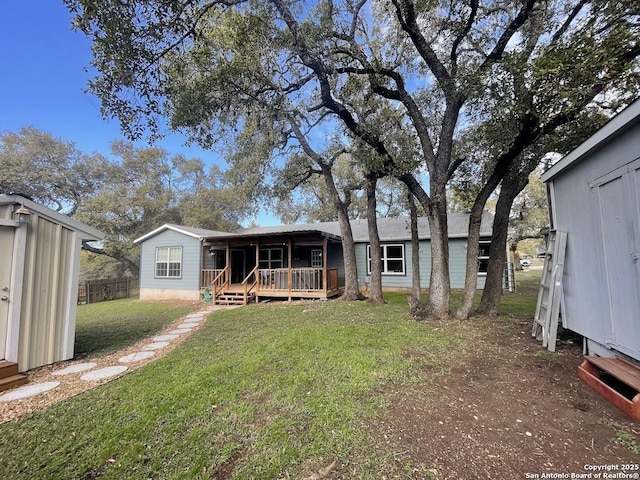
[245, 268]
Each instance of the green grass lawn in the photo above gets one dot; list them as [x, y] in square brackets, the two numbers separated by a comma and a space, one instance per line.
[106, 327]
[266, 392]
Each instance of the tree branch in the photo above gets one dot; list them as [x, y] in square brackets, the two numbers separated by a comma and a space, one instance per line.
[460, 37]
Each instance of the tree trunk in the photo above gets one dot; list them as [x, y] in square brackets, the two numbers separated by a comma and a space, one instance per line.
[513, 183]
[415, 250]
[436, 208]
[417, 308]
[473, 250]
[351, 285]
[498, 256]
[375, 284]
[439, 285]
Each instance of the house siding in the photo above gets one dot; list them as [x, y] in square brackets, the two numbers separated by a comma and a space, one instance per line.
[457, 265]
[152, 287]
[335, 260]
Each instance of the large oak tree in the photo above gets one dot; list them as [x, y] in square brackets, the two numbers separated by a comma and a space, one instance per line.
[212, 67]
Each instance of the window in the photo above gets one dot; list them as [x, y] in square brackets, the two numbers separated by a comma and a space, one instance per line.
[392, 259]
[271, 258]
[483, 256]
[316, 258]
[168, 262]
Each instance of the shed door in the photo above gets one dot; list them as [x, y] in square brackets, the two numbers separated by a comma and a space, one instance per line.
[618, 197]
[6, 256]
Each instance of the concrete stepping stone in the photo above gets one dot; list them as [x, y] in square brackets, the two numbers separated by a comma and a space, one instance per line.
[188, 325]
[103, 373]
[78, 367]
[198, 316]
[28, 391]
[165, 338]
[155, 345]
[136, 357]
[180, 331]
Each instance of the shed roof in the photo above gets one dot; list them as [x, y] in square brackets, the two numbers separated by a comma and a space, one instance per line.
[612, 129]
[198, 233]
[85, 232]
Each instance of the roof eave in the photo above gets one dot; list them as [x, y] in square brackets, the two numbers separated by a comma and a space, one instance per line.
[614, 127]
[86, 232]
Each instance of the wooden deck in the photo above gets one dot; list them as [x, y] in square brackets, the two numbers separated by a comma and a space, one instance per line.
[287, 283]
[272, 291]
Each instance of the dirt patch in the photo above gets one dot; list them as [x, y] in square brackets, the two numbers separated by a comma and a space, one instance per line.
[505, 409]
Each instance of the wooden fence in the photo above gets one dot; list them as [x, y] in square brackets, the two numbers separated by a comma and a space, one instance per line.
[94, 291]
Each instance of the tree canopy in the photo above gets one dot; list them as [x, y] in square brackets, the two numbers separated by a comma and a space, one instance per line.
[51, 171]
[395, 76]
[125, 194]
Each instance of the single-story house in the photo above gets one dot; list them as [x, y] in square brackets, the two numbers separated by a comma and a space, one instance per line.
[594, 196]
[291, 261]
[173, 261]
[39, 270]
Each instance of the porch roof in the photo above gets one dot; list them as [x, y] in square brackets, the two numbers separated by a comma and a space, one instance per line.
[389, 229]
[283, 231]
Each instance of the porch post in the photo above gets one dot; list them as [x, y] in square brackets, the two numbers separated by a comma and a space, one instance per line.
[228, 262]
[324, 264]
[289, 275]
[258, 265]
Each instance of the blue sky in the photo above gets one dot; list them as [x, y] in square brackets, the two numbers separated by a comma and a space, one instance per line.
[43, 79]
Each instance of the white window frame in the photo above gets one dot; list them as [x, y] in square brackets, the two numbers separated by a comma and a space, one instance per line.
[169, 263]
[483, 257]
[386, 259]
[316, 258]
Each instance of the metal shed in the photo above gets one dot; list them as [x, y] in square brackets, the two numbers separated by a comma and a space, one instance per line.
[594, 196]
[594, 202]
[39, 268]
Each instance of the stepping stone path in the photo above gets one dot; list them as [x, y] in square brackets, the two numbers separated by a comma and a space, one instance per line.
[78, 367]
[103, 373]
[165, 338]
[136, 357]
[28, 391]
[155, 345]
[147, 351]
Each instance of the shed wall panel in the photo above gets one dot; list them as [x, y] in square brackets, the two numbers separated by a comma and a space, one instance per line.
[44, 316]
[576, 210]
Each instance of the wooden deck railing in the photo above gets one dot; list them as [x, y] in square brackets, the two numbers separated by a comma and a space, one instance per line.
[301, 279]
[249, 283]
[220, 282]
[208, 275]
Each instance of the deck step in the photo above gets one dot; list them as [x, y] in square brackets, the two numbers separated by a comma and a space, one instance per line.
[9, 376]
[616, 379]
[233, 298]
